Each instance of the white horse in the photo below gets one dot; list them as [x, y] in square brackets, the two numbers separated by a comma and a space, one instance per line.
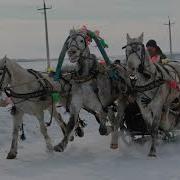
[91, 89]
[31, 94]
[151, 86]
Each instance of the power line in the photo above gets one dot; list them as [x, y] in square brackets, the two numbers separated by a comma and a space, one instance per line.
[169, 24]
[44, 9]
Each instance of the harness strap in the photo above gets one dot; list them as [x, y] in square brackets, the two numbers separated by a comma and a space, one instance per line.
[166, 70]
[47, 88]
[150, 86]
[158, 69]
[82, 79]
[35, 94]
[43, 81]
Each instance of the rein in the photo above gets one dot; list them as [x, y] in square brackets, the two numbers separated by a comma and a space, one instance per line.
[83, 79]
[73, 37]
[134, 49]
[76, 78]
[45, 85]
[141, 57]
[47, 88]
[150, 86]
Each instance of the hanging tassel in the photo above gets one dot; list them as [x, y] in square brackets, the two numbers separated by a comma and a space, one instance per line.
[56, 97]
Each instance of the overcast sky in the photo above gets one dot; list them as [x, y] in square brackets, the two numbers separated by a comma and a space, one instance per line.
[22, 27]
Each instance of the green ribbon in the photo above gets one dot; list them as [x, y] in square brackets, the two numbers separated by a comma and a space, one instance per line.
[100, 46]
[103, 42]
[113, 74]
[56, 97]
[62, 55]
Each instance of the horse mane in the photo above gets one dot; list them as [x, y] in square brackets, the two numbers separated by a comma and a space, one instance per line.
[78, 31]
[13, 64]
[17, 72]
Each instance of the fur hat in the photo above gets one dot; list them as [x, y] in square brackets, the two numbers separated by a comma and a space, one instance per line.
[151, 43]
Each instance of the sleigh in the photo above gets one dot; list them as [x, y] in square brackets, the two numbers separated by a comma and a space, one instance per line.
[136, 128]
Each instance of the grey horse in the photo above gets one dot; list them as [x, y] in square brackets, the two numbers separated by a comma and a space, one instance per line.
[91, 89]
[27, 93]
[151, 86]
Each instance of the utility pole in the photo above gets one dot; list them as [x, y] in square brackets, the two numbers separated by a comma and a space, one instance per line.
[46, 32]
[169, 24]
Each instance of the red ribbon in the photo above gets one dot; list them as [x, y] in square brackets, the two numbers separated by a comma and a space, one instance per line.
[173, 84]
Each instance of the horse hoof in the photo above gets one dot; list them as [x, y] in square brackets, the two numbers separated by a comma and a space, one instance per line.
[71, 138]
[79, 132]
[50, 148]
[152, 155]
[11, 156]
[59, 148]
[114, 146]
[23, 137]
[103, 130]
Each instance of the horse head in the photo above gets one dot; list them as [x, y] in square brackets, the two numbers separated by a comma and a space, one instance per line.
[137, 58]
[77, 45]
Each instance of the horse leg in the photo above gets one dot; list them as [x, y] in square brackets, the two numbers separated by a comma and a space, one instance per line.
[44, 132]
[74, 115]
[94, 113]
[152, 152]
[79, 131]
[154, 136]
[17, 121]
[70, 127]
[155, 117]
[61, 123]
[57, 116]
[114, 137]
[117, 122]
[96, 109]
[114, 133]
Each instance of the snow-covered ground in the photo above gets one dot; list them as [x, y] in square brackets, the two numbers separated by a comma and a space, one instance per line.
[87, 158]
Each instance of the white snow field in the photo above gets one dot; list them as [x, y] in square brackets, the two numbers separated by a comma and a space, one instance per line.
[87, 158]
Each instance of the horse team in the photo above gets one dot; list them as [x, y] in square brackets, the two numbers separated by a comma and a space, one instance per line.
[103, 90]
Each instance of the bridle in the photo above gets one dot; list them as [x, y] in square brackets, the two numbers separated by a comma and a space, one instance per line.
[134, 50]
[3, 72]
[141, 56]
[73, 39]
[156, 83]
[82, 56]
